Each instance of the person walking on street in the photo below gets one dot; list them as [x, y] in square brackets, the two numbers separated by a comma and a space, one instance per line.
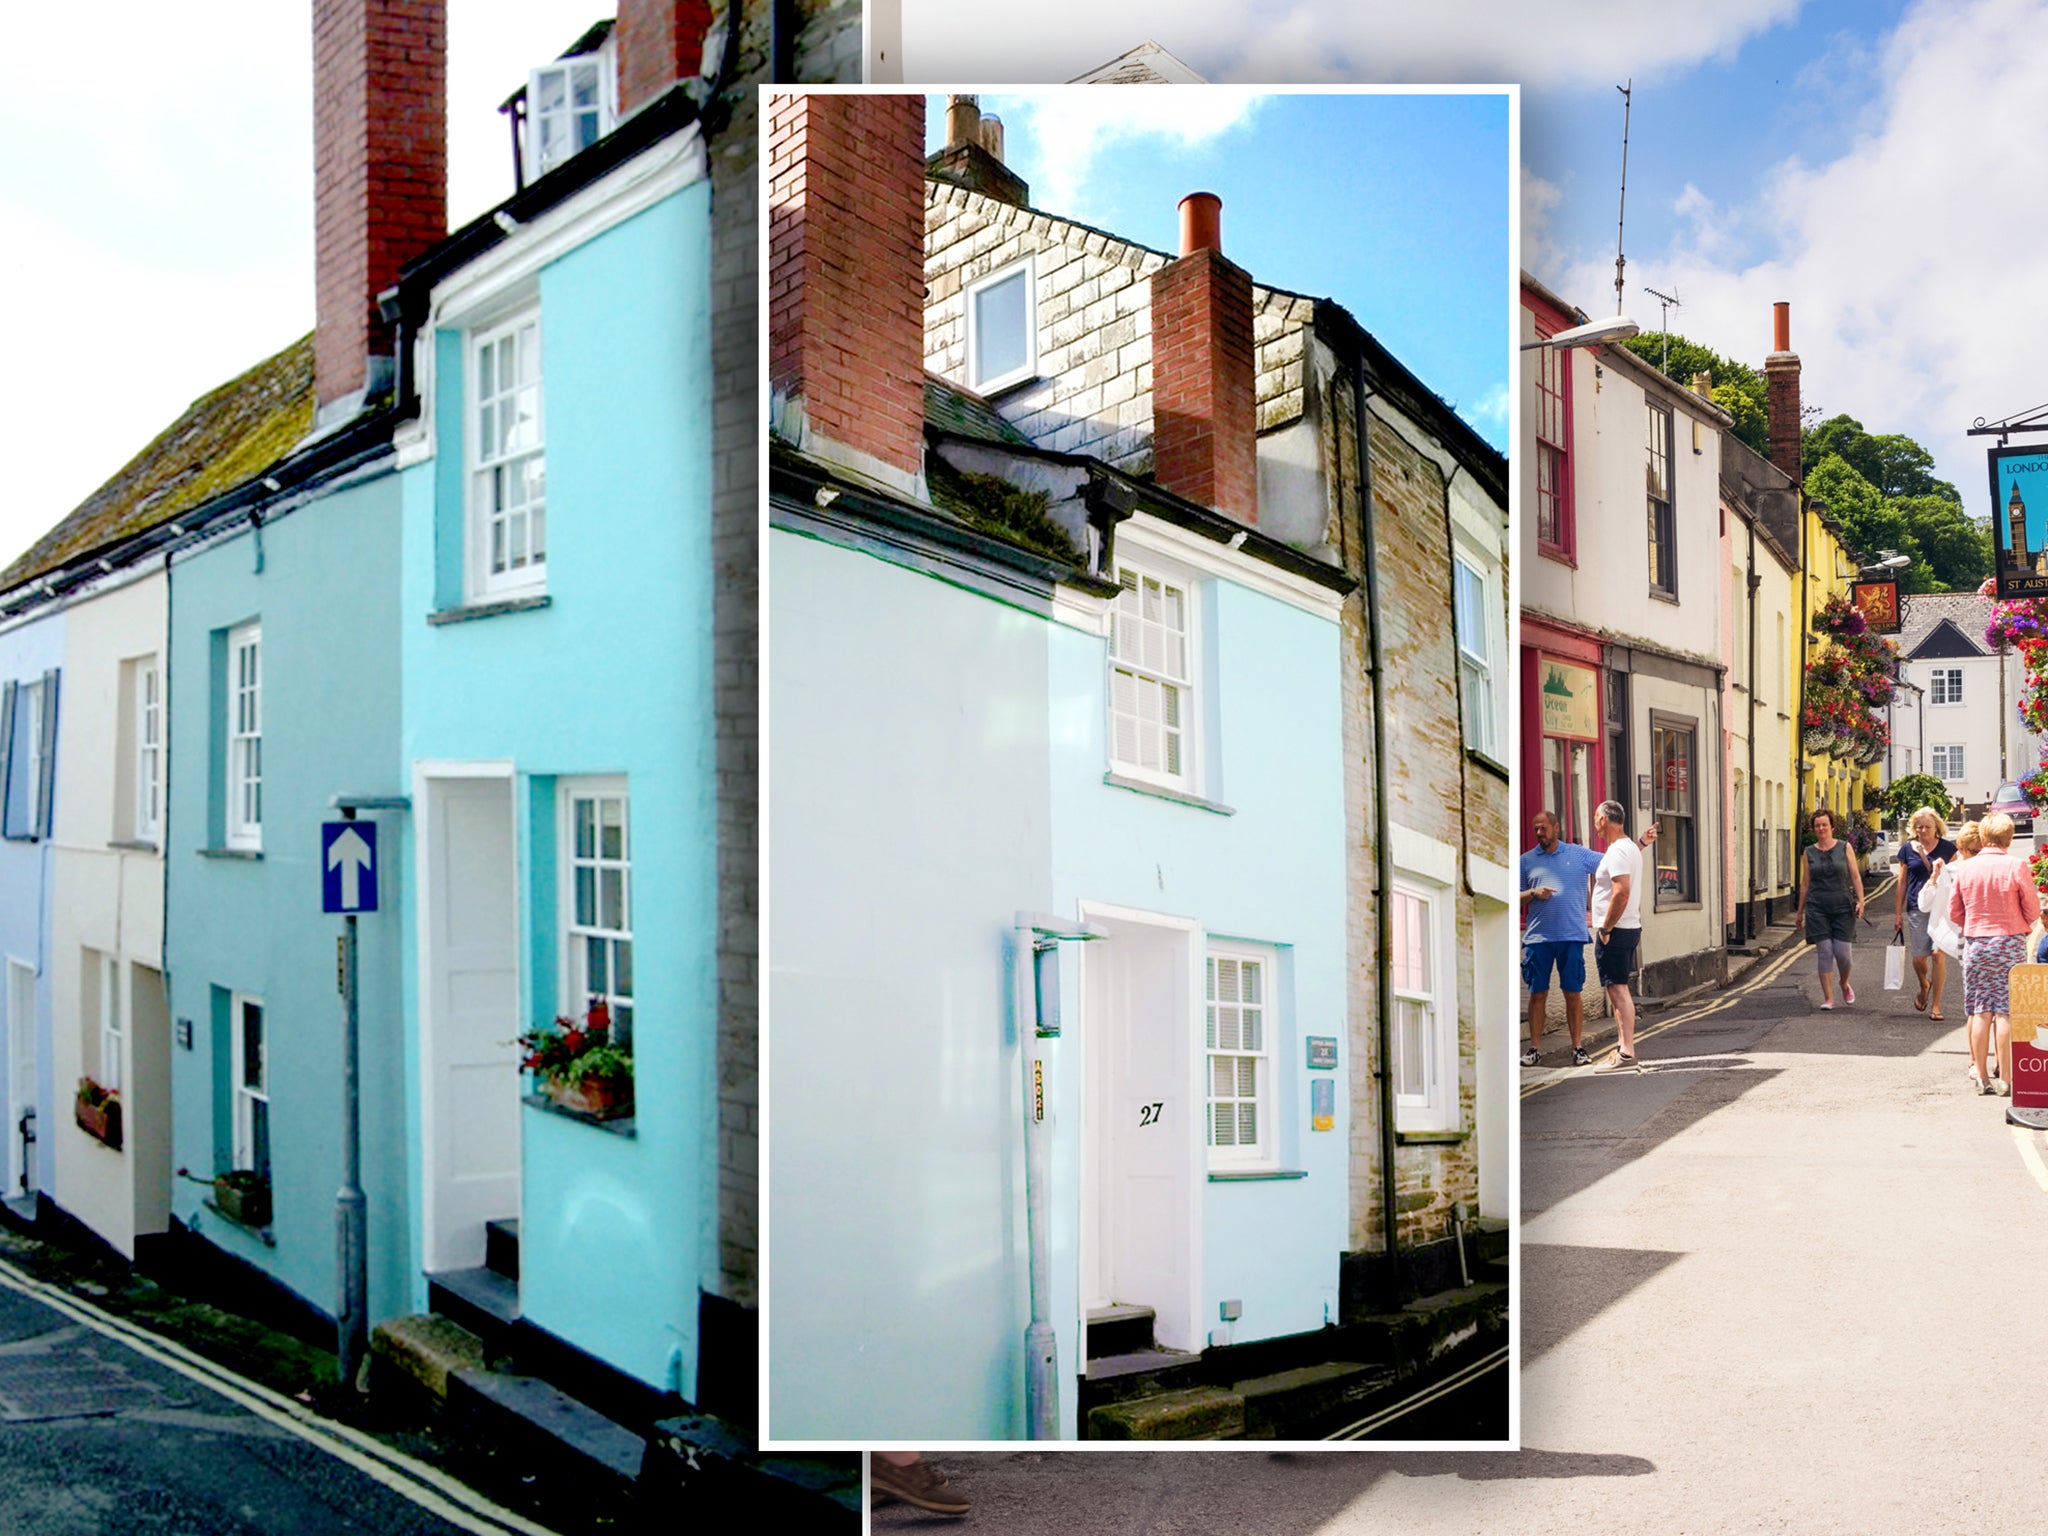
[1995, 903]
[1617, 922]
[1920, 860]
[1556, 892]
[1831, 897]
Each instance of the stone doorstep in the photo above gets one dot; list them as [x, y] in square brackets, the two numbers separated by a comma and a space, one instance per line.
[1195, 1413]
[1262, 1407]
[426, 1349]
[523, 1412]
[1431, 1326]
[711, 1467]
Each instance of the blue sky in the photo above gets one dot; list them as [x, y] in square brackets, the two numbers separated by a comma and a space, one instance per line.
[1412, 238]
[1869, 163]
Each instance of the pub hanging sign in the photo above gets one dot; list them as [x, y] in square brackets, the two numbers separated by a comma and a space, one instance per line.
[2019, 521]
[1878, 602]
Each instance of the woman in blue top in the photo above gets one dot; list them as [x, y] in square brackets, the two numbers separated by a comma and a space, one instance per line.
[1920, 860]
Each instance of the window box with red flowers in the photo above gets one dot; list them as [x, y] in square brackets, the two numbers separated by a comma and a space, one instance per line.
[578, 1068]
[98, 1113]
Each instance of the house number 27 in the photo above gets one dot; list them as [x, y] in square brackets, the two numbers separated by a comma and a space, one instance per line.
[1148, 1114]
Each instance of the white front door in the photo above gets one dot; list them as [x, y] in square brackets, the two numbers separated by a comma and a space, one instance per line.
[1141, 1137]
[469, 979]
[21, 1074]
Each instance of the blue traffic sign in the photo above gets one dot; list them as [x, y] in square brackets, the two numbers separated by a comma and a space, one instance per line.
[348, 866]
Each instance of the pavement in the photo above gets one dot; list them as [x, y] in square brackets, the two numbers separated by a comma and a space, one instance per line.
[105, 1429]
[1779, 1281]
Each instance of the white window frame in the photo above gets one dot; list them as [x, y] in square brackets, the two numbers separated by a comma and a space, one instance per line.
[576, 935]
[244, 760]
[1264, 1150]
[538, 163]
[244, 1094]
[111, 1034]
[1429, 1101]
[1186, 684]
[1028, 268]
[1945, 686]
[149, 718]
[1945, 761]
[1482, 724]
[484, 468]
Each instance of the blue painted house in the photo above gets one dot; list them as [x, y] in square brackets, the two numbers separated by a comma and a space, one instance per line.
[1057, 928]
[554, 633]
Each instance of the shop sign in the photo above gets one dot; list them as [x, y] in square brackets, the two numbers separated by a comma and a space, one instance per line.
[1571, 699]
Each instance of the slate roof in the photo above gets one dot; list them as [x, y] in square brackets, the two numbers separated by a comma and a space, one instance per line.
[1925, 611]
[224, 438]
[949, 408]
[1146, 64]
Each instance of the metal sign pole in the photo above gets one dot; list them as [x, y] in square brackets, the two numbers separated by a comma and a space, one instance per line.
[351, 1237]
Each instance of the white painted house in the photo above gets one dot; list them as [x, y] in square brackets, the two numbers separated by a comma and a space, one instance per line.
[1970, 726]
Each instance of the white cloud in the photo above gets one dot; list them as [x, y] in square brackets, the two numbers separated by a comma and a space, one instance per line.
[1070, 129]
[1570, 42]
[1490, 411]
[1916, 261]
[1539, 199]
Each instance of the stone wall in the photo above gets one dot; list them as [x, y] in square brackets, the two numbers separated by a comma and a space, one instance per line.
[828, 42]
[1094, 292]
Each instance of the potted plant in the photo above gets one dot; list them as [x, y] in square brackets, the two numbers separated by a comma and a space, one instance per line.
[579, 1067]
[244, 1196]
[98, 1112]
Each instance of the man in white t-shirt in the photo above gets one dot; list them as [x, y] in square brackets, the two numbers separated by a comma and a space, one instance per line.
[1616, 918]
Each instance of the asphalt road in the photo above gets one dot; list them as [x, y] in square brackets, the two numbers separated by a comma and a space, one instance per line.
[1785, 1280]
[104, 1435]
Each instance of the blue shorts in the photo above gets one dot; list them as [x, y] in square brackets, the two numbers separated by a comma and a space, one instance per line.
[1567, 955]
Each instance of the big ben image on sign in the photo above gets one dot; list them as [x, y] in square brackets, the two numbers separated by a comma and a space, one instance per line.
[2019, 521]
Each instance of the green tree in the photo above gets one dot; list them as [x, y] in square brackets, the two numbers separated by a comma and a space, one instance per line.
[1893, 462]
[1906, 795]
[1738, 388]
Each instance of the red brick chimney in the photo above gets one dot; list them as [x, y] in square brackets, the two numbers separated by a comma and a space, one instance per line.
[846, 274]
[380, 172]
[1204, 399]
[660, 42]
[1781, 385]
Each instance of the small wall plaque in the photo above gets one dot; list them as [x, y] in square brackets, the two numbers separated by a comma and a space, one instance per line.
[1322, 1052]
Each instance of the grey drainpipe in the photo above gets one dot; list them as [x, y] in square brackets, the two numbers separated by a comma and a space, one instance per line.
[1383, 849]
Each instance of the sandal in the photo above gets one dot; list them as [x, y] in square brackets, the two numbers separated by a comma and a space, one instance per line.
[1920, 1002]
[1935, 1017]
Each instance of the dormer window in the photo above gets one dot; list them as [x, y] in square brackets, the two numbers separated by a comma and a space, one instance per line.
[569, 107]
[1002, 328]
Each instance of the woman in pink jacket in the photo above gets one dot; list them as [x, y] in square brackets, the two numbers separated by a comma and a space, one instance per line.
[1994, 902]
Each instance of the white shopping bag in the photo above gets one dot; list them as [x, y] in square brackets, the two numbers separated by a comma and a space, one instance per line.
[1895, 963]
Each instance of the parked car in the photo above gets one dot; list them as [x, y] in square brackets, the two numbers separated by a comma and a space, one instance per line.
[1882, 854]
[2012, 800]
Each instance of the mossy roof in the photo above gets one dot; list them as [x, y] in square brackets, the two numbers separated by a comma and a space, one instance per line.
[950, 408]
[224, 438]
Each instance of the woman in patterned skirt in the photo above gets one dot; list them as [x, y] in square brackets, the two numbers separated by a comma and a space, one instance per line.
[1994, 902]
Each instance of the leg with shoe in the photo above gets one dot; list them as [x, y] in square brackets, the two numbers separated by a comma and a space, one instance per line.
[1566, 960]
[908, 1476]
[1615, 954]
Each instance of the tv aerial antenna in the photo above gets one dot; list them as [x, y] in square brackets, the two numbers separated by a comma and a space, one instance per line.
[1666, 302]
[1621, 215]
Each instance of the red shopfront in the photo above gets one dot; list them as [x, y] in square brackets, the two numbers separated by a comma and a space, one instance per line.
[1563, 718]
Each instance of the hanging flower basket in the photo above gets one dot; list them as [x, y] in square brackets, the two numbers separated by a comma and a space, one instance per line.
[1870, 752]
[1817, 738]
[98, 1113]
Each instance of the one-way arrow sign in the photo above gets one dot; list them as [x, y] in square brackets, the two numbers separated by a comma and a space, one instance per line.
[348, 866]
